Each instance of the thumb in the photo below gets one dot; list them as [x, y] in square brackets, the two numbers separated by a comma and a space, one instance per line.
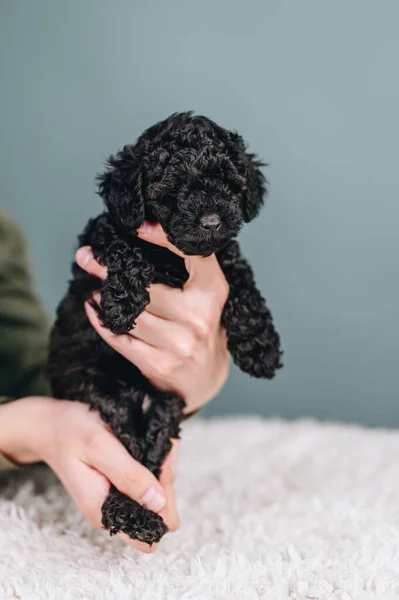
[108, 456]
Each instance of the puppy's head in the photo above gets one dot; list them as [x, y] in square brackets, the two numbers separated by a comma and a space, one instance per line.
[193, 177]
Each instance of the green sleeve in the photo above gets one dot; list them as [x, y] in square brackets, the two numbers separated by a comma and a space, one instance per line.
[24, 326]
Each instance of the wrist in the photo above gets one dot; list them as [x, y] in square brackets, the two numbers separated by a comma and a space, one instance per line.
[22, 427]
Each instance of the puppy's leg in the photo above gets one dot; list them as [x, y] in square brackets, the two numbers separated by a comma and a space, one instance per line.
[162, 424]
[252, 339]
[123, 294]
[120, 513]
[125, 416]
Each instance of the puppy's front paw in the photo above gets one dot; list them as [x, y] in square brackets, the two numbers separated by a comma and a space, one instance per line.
[256, 359]
[253, 341]
[119, 311]
[117, 320]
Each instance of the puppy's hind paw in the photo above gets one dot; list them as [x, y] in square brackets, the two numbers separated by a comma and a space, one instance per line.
[120, 513]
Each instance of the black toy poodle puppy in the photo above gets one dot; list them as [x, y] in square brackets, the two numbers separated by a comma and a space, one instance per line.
[198, 181]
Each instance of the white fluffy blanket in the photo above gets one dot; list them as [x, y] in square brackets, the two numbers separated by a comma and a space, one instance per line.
[269, 509]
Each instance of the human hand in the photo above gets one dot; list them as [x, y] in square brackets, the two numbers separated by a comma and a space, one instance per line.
[178, 342]
[86, 457]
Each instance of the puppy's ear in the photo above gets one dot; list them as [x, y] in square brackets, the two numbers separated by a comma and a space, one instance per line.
[121, 187]
[251, 179]
[254, 187]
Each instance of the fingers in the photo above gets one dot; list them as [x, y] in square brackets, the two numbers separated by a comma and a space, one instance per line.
[157, 346]
[84, 258]
[203, 271]
[152, 362]
[164, 334]
[106, 454]
[158, 364]
[188, 306]
[165, 302]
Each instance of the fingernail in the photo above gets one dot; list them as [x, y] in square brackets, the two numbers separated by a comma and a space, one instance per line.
[85, 255]
[146, 227]
[153, 499]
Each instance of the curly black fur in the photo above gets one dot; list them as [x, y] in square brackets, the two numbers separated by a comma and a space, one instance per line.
[198, 181]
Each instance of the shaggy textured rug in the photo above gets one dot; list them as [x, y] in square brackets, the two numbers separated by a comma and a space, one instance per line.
[269, 510]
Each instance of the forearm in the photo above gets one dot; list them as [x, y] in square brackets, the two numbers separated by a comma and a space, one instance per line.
[19, 431]
[5, 463]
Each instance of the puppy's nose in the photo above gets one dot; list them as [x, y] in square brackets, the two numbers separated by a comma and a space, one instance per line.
[211, 222]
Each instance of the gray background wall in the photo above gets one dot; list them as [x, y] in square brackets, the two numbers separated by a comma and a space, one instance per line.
[312, 85]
